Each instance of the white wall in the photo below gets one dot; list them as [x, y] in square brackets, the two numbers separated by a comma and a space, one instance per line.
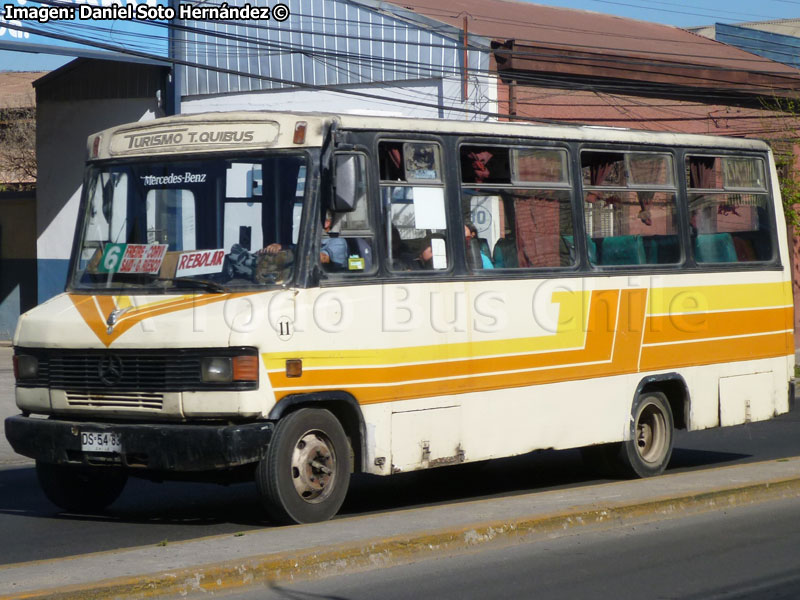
[436, 93]
[62, 128]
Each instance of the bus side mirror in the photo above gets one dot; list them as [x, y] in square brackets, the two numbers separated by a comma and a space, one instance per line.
[350, 181]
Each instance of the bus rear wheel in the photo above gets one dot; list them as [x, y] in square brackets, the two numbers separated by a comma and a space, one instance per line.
[78, 488]
[306, 472]
[649, 448]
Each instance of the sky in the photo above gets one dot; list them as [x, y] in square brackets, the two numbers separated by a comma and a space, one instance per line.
[686, 13]
[680, 13]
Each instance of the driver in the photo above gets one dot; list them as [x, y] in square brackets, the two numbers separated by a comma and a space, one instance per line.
[334, 248]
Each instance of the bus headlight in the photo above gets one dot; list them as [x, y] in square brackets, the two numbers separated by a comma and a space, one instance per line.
[25, 366]
[217, 370]
[224, 369]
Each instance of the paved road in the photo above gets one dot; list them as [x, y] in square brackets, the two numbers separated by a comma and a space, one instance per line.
[738, 554]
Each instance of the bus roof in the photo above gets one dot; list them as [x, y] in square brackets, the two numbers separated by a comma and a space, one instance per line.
[225, 131]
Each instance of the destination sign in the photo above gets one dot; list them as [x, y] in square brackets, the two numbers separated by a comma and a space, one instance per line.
[193, 137]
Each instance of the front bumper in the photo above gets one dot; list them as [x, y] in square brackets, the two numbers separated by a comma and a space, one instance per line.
[155, 446]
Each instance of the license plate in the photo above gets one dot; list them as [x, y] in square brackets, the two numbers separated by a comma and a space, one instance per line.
[100, 441]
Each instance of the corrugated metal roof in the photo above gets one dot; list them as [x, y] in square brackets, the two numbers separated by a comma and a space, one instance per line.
[87, 78]
[589, 31]
[777, 47]
[324, 42]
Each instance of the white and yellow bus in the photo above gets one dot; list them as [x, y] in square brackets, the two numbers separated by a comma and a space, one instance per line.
[293, 297]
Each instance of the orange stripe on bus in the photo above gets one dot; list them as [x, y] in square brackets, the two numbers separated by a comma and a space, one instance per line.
[717, 351]
[611, 312]
[696, 326]
[95, 311]
[599, 343]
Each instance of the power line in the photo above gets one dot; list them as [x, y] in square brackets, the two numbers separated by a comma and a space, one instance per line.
[680, 12]
[604, 57]
[297, 84]
[357, 59]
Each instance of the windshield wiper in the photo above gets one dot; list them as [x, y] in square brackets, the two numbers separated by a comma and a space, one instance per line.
[203, 284]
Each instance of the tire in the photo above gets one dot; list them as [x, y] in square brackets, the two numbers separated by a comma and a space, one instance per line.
[292, 489]
[652, 432]
[80, 489]
[649, 449]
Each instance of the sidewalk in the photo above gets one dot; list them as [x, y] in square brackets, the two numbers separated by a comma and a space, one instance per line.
[305, 551]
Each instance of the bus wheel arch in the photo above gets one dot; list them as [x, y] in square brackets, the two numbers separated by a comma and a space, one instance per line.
[343, 406]
[674, 387]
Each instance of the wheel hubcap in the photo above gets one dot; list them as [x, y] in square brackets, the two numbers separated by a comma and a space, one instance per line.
[651, 434]
[313, 466]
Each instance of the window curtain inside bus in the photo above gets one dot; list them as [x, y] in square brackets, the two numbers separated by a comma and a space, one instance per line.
[601, 166]
[701, 172]
[538, 231]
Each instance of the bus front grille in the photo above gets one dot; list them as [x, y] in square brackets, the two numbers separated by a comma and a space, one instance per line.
[116, 400]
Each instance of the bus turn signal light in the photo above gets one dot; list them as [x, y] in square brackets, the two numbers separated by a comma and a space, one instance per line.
[300, 132]
[294, 367]
[245, 368]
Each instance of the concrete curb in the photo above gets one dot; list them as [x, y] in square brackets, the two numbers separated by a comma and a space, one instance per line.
[382, 552]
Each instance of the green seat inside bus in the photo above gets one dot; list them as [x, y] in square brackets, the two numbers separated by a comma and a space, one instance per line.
[622, 250]
[505, 254]
[662, 249]
[591, 245]
[715, 248]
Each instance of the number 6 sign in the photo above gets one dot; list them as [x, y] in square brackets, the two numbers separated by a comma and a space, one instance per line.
[112, 258]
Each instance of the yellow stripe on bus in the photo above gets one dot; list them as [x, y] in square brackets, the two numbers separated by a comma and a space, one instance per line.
[670, 301]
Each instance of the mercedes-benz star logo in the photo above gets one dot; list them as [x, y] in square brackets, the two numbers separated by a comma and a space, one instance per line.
[110, 369]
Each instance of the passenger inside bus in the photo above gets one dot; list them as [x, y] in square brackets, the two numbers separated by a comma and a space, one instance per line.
[477, 256]
[410, 255]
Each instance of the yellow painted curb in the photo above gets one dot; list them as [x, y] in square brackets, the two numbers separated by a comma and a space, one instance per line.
[337, 559]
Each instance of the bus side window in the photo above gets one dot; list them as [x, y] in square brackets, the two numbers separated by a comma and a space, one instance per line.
[348, 240]
[730, 216]
[630, 208]
[516, 207]
[412, 195]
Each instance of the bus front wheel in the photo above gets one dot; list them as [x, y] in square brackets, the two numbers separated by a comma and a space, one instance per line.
[306, 472]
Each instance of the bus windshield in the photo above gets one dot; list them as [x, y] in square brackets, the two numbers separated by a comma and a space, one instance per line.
[211, 224]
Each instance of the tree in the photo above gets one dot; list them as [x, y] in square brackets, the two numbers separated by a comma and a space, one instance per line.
[17, 147]
[785, 142]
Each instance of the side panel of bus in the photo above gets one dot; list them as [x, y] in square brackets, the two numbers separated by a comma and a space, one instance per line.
[465, 365]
